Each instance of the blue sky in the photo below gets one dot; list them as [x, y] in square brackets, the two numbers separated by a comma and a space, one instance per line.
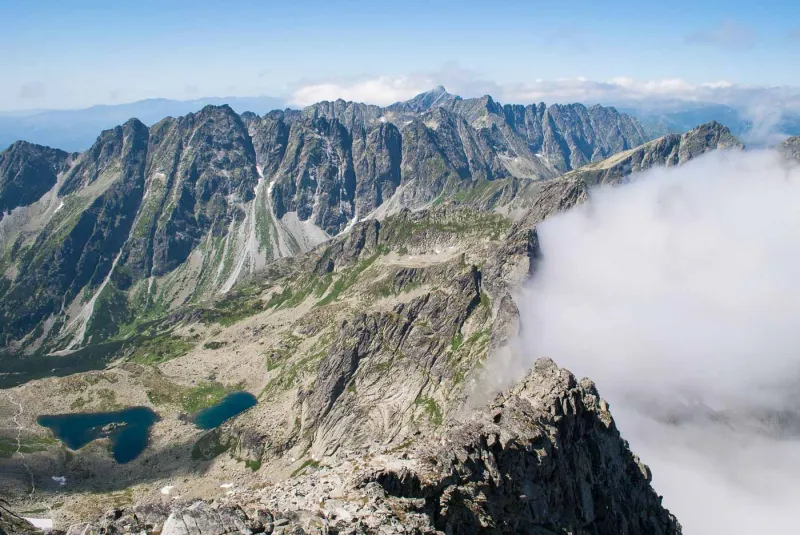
[79, 53]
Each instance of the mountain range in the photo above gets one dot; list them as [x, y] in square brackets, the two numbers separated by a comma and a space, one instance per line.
[191, 205]
[77, 129]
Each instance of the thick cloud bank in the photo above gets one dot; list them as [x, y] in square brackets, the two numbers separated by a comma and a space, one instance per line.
[679, 295]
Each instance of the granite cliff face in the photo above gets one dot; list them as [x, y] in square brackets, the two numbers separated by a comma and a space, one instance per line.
[534, 141]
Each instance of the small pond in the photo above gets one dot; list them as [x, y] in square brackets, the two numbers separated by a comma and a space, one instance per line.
[228, 407]
[128, 430]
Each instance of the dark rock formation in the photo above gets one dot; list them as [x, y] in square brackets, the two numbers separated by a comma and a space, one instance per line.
[667, 151]
[13, 524]
[27, 172]
[543, 457]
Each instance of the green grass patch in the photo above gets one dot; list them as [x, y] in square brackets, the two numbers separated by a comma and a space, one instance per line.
[347, 280]
[289, 374]
[31, 444]
[383, 367]
[431, 408]
[278, 299]
[202, 396]
[310, 463]
[253, 465]
[400, 447]
[159, 349]
[458, 339]
[402, 228]
[191, 399]
[210, 446]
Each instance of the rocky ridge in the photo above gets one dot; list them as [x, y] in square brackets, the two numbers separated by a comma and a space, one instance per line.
[667, 151]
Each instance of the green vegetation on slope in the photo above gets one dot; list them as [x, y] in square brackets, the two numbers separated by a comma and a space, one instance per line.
[191, 399]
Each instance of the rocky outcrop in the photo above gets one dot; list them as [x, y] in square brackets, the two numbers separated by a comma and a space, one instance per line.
[667, 151]
[13, 524]
[201, 170]
[564, 136]
[543, 457]
[27, 172]
[790, 148]
[316, 179]
[137, 205]
[198, 518]
[413, 340]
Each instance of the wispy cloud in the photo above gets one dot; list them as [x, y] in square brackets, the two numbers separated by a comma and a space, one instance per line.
[32, 90]
[727, 34]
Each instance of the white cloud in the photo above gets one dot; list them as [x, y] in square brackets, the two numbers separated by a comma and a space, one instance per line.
[383, 90]
[678, 295]
[387, 89]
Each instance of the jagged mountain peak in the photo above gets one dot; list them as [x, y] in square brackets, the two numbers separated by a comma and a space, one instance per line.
[438, 96]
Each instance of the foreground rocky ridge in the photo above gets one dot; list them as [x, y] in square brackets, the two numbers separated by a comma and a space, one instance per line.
[543, 457]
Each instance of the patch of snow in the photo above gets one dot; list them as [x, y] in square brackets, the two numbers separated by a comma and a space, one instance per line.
[226, 485]
[59, 207]
[45, 524]
[351, 224]
[166, 490]
[61, 480]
